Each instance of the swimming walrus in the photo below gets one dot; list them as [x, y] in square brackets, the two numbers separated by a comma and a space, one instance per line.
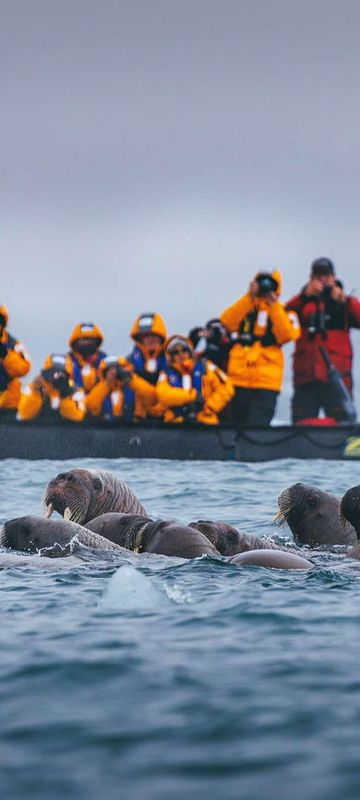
[82, 494]
[144, 535]
[350, 513]
[229, 541]
[50, 537]
[313, 516]
[350, 508]
[276, 559]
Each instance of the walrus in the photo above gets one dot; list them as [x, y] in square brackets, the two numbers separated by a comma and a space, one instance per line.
[50, 537]
[82, 494]
[277, 559]
[350, 513]
[313, 516]
[144, 535]
[229, 541]
[350, 508]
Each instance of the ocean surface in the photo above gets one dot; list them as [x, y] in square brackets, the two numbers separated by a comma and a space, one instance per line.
[149, 678]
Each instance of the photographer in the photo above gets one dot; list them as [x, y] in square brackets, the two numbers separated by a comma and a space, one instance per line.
[191, 389]
[326, 315]
[212, 342]
[259, 326]
[14, 364]
[120, 393]
[52, 393]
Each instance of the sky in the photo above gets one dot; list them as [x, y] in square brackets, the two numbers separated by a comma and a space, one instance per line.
[157, 153]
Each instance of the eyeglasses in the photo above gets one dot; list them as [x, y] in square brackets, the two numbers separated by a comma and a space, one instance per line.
[177, 350]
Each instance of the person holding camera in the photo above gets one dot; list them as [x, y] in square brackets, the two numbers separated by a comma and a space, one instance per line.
[52, 393]
[326, 315]
[191, 389]
[120, 393]
[259, 326]
[212, 342]
[14, 364]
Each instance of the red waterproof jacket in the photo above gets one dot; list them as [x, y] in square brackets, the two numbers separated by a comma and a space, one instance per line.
[323, 322]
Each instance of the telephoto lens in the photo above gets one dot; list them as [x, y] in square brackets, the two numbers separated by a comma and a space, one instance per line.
[266, 284]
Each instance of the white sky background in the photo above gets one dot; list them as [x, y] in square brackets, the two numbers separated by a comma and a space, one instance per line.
[157, 153]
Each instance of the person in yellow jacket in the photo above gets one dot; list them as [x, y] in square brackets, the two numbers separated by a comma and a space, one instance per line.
[147, 356]
[52, 393]
[120, 393]
[259, 326]
[14, 364]
[191, 389]
[85, 355]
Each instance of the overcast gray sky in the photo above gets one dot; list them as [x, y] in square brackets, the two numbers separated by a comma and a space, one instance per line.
[156, 153]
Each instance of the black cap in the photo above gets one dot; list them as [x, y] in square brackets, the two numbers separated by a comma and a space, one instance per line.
[322, 266]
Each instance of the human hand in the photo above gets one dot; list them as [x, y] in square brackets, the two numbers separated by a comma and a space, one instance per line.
[338, 294]
[253, 288]
[110, 377]
[313, 287]
[39, 384]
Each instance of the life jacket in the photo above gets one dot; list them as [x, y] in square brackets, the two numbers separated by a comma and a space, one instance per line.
[176, 378]
[128, 405]
[4, 377]
[77, 369]
[141, 365]
[256, 327]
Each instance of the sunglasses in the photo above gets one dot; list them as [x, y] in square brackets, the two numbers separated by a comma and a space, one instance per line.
[177, 350]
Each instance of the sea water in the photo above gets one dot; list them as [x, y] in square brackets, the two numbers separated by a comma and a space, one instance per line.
[150, 678]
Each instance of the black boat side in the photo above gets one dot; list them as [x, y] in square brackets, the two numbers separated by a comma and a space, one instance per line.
[65, 440]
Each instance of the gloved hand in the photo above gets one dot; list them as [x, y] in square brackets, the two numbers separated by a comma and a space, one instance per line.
[3, 350]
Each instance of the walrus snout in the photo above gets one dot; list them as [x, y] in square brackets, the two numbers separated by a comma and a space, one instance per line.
[16, 536]
[66, 495]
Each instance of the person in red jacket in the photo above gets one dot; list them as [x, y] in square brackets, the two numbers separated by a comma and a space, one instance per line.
[326, 315]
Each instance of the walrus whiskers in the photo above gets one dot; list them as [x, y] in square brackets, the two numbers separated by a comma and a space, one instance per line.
[285, 502]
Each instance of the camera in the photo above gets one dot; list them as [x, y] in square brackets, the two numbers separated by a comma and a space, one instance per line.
[266, 284]
[122, 374]
[326, 292]
[59, 380]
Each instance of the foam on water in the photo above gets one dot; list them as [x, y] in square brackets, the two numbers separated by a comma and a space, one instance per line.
[129, 589]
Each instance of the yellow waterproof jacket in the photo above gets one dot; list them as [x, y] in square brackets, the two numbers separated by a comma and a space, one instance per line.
[145, 396]
[14, 364]
[34, 400]
[216, 390]
[256, 365]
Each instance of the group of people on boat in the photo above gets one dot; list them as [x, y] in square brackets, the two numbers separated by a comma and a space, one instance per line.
[229, 370]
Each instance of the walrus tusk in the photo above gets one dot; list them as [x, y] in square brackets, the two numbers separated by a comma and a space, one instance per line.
[68, 514]
[48, 511]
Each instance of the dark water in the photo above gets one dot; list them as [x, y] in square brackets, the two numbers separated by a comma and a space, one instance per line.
[145, 677]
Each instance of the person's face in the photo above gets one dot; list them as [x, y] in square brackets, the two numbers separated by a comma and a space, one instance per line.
[180, 355]
[86, 346]
[152, 342]
[326, 279]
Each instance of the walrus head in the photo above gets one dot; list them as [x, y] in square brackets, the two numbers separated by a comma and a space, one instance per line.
[72, 493]
[313, 516]
[223, 536]
[350, 508]
[82, 494]
[31, 534]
